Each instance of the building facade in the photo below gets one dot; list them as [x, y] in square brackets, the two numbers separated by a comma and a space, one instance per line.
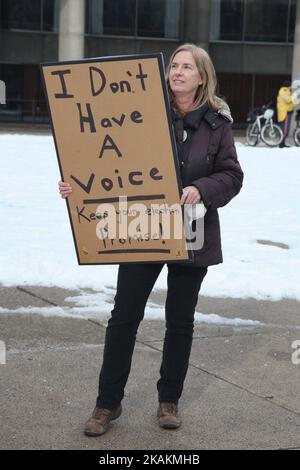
[252, 43]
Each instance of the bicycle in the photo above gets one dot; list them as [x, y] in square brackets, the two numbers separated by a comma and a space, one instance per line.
[262, 127]
[296, 134]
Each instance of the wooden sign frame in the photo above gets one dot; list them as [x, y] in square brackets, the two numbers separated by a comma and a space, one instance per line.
[105, 112]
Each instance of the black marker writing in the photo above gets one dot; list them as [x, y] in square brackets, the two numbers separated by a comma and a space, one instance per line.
[141, 76]
[61, 74]
[135, 117]
[109, 146]
[101, 80]
[89, 118]
[135, 178]
[98, 81]
[86, 187]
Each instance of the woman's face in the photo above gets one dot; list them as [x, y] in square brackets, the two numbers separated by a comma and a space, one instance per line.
[184, 77]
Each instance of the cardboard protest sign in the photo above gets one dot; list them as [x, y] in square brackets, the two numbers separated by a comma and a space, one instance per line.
[115, 146]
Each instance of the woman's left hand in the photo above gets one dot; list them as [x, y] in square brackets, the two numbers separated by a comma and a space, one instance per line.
[190, 195]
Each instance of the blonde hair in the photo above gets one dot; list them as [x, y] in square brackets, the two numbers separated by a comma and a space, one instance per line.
[206, 91]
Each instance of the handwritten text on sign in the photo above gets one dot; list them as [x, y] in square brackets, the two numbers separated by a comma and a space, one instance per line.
[115, 148]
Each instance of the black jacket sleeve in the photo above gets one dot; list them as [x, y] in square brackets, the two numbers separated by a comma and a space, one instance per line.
[226, 178]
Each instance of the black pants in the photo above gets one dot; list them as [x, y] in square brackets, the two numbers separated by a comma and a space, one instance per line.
[285, 126]
[135, 283]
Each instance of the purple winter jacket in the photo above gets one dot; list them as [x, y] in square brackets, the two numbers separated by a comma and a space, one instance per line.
[208, 160]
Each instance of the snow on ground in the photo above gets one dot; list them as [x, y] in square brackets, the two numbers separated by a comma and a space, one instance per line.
[37, 245]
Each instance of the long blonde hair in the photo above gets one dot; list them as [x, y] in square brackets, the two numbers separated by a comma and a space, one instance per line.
[206, 91]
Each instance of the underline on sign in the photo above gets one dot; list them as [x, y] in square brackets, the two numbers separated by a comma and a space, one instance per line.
[134, 250]
[145, 197]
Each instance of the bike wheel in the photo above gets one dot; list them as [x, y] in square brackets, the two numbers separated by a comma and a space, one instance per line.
[297, 136]
[252, 134]
[272, 135]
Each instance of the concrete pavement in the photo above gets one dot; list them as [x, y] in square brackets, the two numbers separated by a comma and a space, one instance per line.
[242, 390]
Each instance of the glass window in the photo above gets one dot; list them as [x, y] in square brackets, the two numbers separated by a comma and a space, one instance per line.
[266, 20]
[20, 14]
[50, 15]
[115, 17]
[172, 19]
[227, 20]
[158, 18]
[292, 20]
[145, 18]
[253, 20]
[151, 18]
[94, 16]
[119, 17]
[13, 76]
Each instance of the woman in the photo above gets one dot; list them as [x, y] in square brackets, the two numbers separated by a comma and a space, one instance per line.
[210, 173]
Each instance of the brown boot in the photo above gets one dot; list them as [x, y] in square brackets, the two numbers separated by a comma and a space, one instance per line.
[168, 417]
[98, 423]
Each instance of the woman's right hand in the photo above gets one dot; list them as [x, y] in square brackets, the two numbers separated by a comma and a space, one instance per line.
[65, 189]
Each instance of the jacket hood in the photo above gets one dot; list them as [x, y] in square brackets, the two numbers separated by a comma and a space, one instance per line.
[224, 109]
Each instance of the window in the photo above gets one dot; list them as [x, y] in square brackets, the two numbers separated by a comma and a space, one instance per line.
[151, 18]
[50, 15]
[13, 76]
[157, 18]
[227, 20]
[118, 17]
[20, 14]
[32, 15]
[292, 20]
[253, 20]
[266, 20]
[143, 18]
